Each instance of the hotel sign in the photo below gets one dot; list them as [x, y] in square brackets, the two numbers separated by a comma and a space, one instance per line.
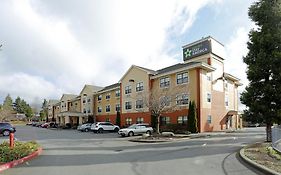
[196, 50]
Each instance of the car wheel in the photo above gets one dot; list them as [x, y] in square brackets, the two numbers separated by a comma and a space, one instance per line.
[6, 133]
[100, 130]
[116, 129]
[148, 132]
[86, 130]
[130, 134]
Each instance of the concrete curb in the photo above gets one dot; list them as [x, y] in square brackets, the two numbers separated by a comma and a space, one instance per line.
[20, 161]
[256, 165]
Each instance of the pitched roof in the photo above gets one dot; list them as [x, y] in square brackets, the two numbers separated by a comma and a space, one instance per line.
[175, 67]
[110, 87]
[52, 102]
[68, 96]
[92, 88]
[148, 70]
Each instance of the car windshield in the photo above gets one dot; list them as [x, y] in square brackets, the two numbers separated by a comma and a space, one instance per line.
[132, 126]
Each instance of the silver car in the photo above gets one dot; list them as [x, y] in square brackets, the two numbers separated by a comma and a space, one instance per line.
[85, 127]
[136, 129]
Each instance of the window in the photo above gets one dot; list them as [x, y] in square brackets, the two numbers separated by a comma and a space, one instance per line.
[107, 97]
[165, 101]
[182, 99]
[89, 110]
[182, 120]
[99, 109]
[128, 89]
[139, 86]
[117, 93]
[209, 119]
[182, 78]
[117, 107]
[140, 120]
[226, 100]
[129, 121]
[226, 86]
[84, 110]
[165, 82]
[99, 97]
[89, 100]
[139, 104]
[84, 100]
[128, 105]
[164, 120]
[209, 78]
[209, 97]
[76, 104]
[107, 108]
[71, 104]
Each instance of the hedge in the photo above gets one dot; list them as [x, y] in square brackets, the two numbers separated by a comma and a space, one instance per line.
[20, 150]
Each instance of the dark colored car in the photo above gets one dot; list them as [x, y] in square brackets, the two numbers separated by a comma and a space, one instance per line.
[6, 129]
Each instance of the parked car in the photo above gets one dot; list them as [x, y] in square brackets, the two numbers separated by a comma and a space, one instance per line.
[45, 125]
[136, 129]
[29, 123]
[6, 129]
[84, 127]
[100, 127]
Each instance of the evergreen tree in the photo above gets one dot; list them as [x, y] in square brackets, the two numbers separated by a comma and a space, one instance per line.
[8, 103]
[263, 94]
[192, 118]
[118, 119]
[44, 111]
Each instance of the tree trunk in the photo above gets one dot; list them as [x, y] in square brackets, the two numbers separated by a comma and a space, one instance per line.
[268, 133]
[158, 124]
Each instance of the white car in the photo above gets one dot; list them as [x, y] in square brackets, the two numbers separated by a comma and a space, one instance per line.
[136, 129]
[100, 127]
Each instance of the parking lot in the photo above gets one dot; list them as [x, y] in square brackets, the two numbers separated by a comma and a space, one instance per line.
[42, 135]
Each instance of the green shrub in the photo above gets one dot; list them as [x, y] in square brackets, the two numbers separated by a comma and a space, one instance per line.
[175, 128]
[20, 150]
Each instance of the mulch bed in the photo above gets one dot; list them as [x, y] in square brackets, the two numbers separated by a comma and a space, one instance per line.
[261, 154]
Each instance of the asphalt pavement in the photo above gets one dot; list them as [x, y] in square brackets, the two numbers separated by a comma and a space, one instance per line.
[69, 152]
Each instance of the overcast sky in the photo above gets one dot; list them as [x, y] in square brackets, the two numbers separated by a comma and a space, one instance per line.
[52, 47]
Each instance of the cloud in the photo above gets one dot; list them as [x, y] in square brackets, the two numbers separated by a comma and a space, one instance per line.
[60, 46]
[27, 87]
[236, 49]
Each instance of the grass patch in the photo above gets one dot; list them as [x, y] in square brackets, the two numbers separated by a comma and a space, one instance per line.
[20, 150]
[273, 153]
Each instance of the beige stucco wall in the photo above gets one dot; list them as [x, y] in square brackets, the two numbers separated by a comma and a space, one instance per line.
[137, 75]
[75, 106]
[104, 102]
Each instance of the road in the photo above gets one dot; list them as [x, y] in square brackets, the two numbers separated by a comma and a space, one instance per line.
[69, 152]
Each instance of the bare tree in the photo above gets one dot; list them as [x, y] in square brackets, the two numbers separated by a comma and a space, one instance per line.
[164, 100]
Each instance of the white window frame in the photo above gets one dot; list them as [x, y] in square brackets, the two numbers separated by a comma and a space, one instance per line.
[183, 119]
[117, 106]
[128, 89]
[99, 97]
[107, 97]
[209, 97]
[182, 99]
[99, 109]
[139, 104]
[209, 119]
[182, 78]
[106, 108]
[117, 93]
[164, 82]
[128, 104]
[139, 87]
[165, 101]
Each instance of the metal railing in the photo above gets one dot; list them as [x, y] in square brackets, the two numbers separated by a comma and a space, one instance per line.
[276, 138]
